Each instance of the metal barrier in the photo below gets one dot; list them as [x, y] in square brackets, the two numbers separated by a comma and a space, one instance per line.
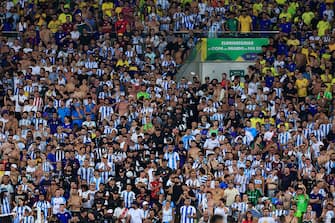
[197, 33]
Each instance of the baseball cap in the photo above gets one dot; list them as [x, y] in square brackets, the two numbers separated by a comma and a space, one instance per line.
[145, 203]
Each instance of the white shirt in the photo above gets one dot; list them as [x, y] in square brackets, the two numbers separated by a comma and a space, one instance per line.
[18, 99]
[268, 135]
[211, 143]
[223, 212]
[266, 220]
[136, 215]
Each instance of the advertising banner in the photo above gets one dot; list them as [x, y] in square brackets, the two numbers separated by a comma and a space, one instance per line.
[234, 49]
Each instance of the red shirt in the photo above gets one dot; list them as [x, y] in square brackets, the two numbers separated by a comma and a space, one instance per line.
[120, 26]
[106, 27]
[155, 189]
[67, 27]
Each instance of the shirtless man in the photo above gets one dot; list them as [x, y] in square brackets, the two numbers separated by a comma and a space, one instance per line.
[217, 192]
[45, 34]
[210, 203]
[122, 106]
[193, 152]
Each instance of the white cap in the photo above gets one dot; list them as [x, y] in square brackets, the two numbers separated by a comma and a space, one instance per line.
[192, 73]
[14, 165]
[145, 203]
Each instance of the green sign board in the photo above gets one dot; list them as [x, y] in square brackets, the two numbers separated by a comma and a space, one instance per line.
[233, 73]
[234, 49]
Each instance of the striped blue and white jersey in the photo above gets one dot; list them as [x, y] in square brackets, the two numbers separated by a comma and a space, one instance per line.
[325, 128]
[104, 95]
[284, 137]
[306, 132]
[5, 206]
[279, 213]
[105, 112]
[188, 21]
[187, 213]
[44, 206]
[173, 160]
[318, 134]
[97, 181]
[60, 137]
[242, 181]
[240, 206]
[23, 123]
[86, 173]
[19, 210]
[202, 200]
[105, 173]
[28, 219]
[38, 121]
[29, 89]
[299, 139]
[178, 18]
[128, 197]
[47, 167]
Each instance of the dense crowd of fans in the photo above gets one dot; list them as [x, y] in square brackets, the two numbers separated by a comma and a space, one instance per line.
[94, 126]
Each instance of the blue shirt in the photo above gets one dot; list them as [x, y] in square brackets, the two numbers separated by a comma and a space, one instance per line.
[291, 67]
[282, 49]
[264, 24]
[223, 185]
[58, 37]
[316, 207]
[285, 27]
[64, 217]
[53, 124]
[253, 131]
[269, 81]
[63, 112]
[89, 109]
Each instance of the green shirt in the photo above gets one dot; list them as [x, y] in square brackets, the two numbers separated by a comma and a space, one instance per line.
[148, 126]
[232, 24]
[143, 94]
[327, 95]
[253, 196]
[302, 202]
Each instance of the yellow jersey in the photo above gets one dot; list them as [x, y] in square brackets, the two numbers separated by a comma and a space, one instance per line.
[281, 2]
[327, 80]
[53, 25]
[254, 120]
[62, 17]
[307, 17]
[257, 8]
[118, 10]
[293, 8]
[322, 27]
[293, 42]
[287, 15]
[122, 63]
[107, 8]
[245, 23]
[301, 85]
[331, 47]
